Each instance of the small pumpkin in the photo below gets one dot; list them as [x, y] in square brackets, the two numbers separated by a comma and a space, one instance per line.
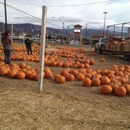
[60, 79]
[86, 82]
[96, 82]
[80, 76]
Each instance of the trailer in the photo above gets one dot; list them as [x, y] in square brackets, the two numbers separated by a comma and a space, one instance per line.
[116, 45]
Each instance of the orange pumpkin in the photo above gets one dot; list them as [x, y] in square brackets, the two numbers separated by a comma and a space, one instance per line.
[3, 72]
[86, 82]
[48, 74]
[70, 77]
[127, 87]
[80, 76]
[105, 80]
[96, 82]
[60, 79]
[22, 65]
[106, 89]
[120, 91]
[20, 75]
[102, 60]
[12, 74]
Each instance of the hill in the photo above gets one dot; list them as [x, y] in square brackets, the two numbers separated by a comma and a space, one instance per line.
[32, 29]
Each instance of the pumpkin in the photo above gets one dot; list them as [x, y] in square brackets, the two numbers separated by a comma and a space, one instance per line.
[92, 62]
[36, 77]
[32, 76]
[102, 60]
[60, 79]
[12, 74]
[46, 70]
[74, 72]
[70, 77]
[105, 80]
[22, 65]
[20, 75]
[48, 74]
[56, 76]
[127, 87]
[96, 82]
[120, 91]
[80, 76]
[3, 72]
[114, 85]
[106, 89]
[86, 82]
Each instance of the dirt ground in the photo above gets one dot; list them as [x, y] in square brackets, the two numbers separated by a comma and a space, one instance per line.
[68, 106]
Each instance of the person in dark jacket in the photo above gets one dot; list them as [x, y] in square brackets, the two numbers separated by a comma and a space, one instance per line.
[28, 43]
[7, 46]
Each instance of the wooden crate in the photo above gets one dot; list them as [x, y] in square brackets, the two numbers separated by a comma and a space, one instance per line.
[108, 46]
[114, 47]
[127, 47]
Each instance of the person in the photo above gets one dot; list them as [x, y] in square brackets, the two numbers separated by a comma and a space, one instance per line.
[7, 47]
[28, 43]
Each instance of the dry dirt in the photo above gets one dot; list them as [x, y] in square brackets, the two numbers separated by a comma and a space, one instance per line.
[68, 106]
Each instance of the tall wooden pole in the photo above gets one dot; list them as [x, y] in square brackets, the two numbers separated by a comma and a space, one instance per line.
[42, 48]
[12, 33]
[86, 32]
[5, 15]
[104, 23]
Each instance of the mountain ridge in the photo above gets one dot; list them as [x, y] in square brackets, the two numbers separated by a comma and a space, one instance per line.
[32, 29]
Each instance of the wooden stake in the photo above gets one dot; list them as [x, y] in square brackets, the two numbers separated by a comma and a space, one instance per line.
[42, 47]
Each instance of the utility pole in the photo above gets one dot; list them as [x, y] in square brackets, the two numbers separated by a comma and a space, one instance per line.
[12, 33]
[104, 22]
[86, 31]
[5, 15]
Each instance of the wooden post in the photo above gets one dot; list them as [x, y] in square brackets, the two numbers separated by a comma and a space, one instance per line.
[12, 33]
[42, 48]
[5, 15]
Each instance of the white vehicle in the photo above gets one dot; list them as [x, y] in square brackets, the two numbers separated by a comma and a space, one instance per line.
[58, 40]
[100, 45]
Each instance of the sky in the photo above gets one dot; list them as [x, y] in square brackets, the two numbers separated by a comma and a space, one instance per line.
[67, 12]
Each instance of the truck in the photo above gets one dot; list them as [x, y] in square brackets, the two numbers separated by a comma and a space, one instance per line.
[114, 46]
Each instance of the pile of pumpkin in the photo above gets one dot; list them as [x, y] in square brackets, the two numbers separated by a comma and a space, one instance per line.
[20, 71]
[73, 49]
[116, 79]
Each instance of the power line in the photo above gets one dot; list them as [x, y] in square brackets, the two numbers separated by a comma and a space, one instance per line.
[28, 3]
[66, 5]
[54, 7]
[41, 5]
[83, 4]
[27, 14]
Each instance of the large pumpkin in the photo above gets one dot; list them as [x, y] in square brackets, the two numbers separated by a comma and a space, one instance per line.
[20, 75]
[120, 91]
[106, 89]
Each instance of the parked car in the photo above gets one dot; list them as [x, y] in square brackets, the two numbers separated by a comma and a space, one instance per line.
[100, 45]
[58, 40]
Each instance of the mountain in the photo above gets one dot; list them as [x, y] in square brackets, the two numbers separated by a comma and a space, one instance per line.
[32, 29]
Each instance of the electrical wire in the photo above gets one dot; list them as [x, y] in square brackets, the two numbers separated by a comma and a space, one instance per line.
[54, 8]
[66, 5]
[83, 4]
[28, 14]
[28, 3]
[58, 11]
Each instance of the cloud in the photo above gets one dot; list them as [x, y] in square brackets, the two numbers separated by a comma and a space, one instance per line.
[28, 19]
